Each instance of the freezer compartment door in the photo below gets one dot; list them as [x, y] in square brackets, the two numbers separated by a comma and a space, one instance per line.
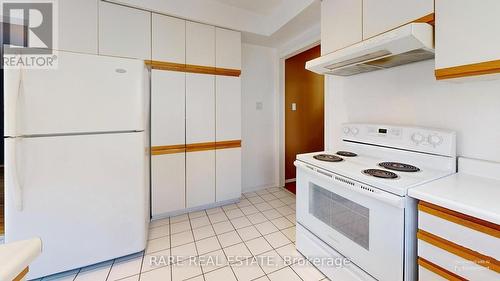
[84, 196]
[85, 93]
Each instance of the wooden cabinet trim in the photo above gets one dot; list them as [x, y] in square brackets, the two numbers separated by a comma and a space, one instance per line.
[227, 72]
[161, 65]
[465, 253]
[482, 68]
[228, 144]
[171, 66]
[439, 270]
[21, 275]
[192, 147]
[461, 219]
[430, 19]
[168, 149]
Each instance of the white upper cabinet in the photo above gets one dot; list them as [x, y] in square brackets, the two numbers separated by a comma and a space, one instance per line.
[467, 32]
[341, 24]
[380, 16]
[78, 26]
[169, 39]
[228, 49]
[200, 44]
[228, 108]
[124, 31]
[200, 108]
[167, 108]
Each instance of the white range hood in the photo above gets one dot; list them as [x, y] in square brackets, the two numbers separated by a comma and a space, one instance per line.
[410, 43]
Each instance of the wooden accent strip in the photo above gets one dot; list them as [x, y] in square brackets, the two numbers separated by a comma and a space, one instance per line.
[168, 149]
[200, 146]
[200, 69]
[482, 68]
[228, 72]
[430, 19]
[161, 65]
[439, 270]
[462, 219]
[228, 144]
[171, 149]
[465, 253]
[171, 66]
[21, 275]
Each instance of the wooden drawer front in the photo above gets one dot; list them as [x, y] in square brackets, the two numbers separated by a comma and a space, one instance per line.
[428, 271]
[456, 259]
[459, 234]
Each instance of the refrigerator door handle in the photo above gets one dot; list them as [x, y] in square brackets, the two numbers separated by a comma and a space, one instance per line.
[13, 89]
[14, 180]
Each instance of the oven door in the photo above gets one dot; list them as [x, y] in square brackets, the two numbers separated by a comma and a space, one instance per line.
[363, 223]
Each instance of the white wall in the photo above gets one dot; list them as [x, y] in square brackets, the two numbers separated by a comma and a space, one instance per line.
[259, 127]
[410, 95]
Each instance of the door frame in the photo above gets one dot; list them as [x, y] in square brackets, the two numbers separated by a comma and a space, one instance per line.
[281, 105]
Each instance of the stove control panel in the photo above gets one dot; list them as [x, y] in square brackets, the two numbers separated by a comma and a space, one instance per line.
[428, 140]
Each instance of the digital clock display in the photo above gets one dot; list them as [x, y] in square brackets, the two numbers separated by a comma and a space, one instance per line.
[382, 131]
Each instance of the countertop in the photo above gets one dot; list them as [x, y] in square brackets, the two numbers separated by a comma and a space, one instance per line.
[16, 256]
[468, 192]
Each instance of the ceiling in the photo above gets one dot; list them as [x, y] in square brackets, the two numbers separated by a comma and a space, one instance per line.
[265, 7]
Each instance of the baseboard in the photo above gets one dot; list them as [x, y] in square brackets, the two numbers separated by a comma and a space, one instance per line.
[195, 209]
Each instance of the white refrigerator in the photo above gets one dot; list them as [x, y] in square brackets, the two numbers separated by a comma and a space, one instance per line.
[77, 160]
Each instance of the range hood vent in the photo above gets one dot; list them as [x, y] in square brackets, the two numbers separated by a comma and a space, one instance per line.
[410, 43]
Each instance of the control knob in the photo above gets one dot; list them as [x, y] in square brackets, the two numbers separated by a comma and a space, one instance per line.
[417, 138]
[434, 140]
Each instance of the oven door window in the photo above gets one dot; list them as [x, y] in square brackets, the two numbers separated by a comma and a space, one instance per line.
[341, 214]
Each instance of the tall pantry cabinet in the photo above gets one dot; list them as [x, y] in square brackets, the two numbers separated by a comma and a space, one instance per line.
[195, 115]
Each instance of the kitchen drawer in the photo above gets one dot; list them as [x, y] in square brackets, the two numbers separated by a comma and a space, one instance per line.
[460, 229]
[315, 249]
[428, 271]
[456, 259]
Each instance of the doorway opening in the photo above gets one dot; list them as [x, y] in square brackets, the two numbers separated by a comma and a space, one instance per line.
[304, 111]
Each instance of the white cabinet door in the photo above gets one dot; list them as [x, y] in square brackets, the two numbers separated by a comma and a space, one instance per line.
[168, 189]
[228, 108]
[168, 108]
[78, 25]
[169, 39]
[341, 24]
[124, 31]
[200, 108]
[380, 16]
[228, 48]
[467, 32]
[200, 44]
[200, 178]
[228, 174]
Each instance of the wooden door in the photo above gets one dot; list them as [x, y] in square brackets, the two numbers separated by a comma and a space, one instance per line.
[304, 127]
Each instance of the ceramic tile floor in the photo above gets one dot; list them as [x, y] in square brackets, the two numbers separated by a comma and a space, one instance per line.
[251, 240]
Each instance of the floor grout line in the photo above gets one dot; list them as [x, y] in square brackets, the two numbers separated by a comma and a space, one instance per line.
[244, 203]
